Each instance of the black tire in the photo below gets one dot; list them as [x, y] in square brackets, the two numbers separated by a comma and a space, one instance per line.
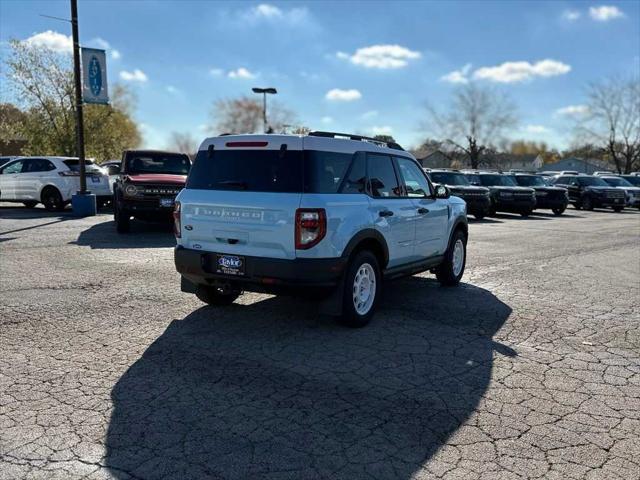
[558, 211]
[445, 272]
[587, 203]
[214, 296]
[350, 316]
[122, 219]
[577, 206]
[526, 213]
[478, 216]
[30, 204]
[52, 199]
[618, 209]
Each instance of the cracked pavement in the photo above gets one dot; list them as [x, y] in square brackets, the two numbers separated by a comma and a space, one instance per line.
[530, 369]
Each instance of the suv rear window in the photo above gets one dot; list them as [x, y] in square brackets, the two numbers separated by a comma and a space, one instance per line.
[74, 165]
[289, 171]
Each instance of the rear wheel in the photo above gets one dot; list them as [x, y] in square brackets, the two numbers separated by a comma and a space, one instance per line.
[361, 290]
[558, 211]
[52, 200]
[526, 213]
[30, 204]
[122, 219]
[587, 203]
[479, 216]
[618, 209]
[216, 296]
[451, 269]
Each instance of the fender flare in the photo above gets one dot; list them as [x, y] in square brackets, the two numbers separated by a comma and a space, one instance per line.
[367, 234]
[460, 222]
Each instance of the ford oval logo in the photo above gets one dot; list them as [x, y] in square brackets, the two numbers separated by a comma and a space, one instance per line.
[95, 76]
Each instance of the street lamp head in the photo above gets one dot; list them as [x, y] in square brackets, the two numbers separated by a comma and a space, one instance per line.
[264, 90]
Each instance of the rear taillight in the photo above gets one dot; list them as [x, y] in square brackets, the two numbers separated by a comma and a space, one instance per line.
[311, 227]
[177, 226]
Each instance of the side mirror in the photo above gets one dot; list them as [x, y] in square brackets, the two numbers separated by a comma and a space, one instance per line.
[442, 192]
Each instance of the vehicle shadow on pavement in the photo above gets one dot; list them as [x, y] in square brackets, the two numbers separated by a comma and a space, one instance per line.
[142, 235]
[272, 390]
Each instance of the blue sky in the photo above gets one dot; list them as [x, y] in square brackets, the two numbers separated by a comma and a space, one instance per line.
[365, 67]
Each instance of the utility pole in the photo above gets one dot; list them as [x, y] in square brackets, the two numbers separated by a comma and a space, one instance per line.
[78, 86]
[264, 92]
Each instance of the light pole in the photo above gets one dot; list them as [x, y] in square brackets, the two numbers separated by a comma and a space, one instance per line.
[264, 92]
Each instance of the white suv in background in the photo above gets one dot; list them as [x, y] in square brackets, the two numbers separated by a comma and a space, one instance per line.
[50, 181]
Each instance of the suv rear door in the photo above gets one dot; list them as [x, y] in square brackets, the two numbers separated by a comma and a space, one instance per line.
[394, 213]
[241, 197]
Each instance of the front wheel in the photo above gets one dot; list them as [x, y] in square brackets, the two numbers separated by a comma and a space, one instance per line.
[526, 213]
[361, 290]
[451, 269]
[618, 209]
[587, 203]
[216, 296]
[479, 216]
[558, 211]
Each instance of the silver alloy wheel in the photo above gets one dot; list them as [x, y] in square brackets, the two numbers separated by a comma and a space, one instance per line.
[458, 257]
[364, 289]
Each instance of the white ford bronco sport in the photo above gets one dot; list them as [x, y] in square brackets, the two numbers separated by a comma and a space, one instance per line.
[327, 213]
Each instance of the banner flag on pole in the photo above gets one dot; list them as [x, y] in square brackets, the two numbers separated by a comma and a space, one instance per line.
[94, 76]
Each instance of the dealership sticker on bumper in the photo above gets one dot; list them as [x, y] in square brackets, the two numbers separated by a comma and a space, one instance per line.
[230, 264]
[166, 202]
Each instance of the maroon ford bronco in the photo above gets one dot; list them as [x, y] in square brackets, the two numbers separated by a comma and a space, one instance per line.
[147, 186]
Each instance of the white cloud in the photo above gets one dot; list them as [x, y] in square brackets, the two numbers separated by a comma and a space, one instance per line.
[241, 73]
[52, 40]
[383, 130]
[172, 90]
[573, 110]
[135, 76]
[339, 95]
[326, 120]
[381, 56]
[369, 115]
[216, 72]
[104, 45]
[571, 15]
[604, 13]
[115, 54]
[511, 72]
[458, 76]
[536, 129]
[266, 12]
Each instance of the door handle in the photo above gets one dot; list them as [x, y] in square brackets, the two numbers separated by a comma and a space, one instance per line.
[385, 213]
[423, 211]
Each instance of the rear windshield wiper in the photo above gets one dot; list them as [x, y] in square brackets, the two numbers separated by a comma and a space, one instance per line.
[239, 184]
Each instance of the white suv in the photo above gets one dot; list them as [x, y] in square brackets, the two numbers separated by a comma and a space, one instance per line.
[50, 181]
[329, 214]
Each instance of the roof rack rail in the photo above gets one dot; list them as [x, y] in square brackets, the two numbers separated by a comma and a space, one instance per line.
[392, 145]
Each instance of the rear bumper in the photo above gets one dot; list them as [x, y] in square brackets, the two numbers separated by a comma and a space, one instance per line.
[261, 274]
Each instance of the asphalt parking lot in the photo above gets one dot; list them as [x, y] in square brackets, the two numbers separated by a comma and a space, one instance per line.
[530, 369]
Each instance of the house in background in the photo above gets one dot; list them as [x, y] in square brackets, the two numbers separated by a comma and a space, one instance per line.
[580, 165]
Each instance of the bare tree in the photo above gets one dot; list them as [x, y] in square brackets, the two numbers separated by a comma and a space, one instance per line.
[244, 115]
[613, 121]
[184, 142]
[476, 118]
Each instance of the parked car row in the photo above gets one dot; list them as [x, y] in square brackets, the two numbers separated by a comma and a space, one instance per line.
[487, 193]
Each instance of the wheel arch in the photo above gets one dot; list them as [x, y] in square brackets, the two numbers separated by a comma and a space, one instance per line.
[49, 186]
[369, 239]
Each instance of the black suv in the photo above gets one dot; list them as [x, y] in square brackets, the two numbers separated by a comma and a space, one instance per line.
[477, 198]
[555, 199]
[506, 195]
[589, 192]
[147, 186]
